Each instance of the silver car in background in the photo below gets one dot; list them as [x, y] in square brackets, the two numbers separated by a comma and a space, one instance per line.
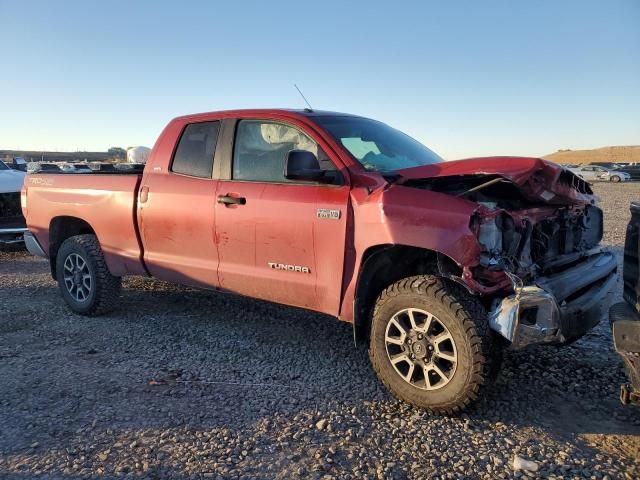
[595, 173]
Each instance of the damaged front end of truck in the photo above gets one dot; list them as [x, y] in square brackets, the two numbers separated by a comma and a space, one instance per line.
[540, 267]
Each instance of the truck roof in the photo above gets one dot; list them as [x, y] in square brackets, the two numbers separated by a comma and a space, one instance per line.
[306, 112]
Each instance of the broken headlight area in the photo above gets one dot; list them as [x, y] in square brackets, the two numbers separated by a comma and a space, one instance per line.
[529, 242]
[505, 245]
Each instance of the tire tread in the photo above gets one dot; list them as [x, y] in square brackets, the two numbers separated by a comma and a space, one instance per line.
[486, 352]
[108, 287]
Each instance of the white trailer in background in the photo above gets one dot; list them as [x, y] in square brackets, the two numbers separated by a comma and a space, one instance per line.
[138, 154]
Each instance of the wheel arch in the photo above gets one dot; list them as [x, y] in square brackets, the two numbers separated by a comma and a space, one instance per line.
[60, 229]
[383, 265]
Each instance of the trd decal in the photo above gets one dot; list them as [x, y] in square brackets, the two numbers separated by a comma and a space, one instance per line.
[289, 268]
[43, 182]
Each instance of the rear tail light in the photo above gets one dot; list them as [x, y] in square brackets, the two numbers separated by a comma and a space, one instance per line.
[23, 200]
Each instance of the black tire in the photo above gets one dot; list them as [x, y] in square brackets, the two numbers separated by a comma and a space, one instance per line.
[615, 178]
[477, 347]
[104, 287]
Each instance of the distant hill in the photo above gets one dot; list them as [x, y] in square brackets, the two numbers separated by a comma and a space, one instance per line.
[629, 153]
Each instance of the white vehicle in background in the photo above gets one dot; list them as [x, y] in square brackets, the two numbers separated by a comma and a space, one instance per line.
[12, 223]
[595, 173]
[138, 155]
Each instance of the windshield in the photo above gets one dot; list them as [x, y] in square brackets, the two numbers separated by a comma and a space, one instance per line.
[375, 145]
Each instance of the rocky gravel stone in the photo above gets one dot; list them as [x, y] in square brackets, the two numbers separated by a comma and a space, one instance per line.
[181, 383]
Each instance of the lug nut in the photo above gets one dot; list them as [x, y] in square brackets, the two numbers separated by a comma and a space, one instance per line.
[409, 341]
[413, 357]
[420, 337]
[430, 347]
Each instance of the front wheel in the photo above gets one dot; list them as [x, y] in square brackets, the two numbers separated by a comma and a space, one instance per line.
[431, 344]
[84, 280]
[615, 178]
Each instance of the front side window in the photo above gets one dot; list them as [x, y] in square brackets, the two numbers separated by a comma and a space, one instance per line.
[375, 145]
[194, 155]
[262, 146]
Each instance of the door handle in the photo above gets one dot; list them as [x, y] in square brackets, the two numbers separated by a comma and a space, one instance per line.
[144, 194]
[229, 200]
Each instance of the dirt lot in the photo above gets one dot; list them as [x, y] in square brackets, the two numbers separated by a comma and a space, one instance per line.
[247, 389]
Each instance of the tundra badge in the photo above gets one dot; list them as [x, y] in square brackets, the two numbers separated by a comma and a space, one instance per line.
[328, 213]
[289, 268]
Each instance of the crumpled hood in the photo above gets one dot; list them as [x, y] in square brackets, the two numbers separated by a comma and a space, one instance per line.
[538, 179]
[11, 181]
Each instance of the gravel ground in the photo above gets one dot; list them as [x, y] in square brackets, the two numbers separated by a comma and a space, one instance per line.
[191, 384]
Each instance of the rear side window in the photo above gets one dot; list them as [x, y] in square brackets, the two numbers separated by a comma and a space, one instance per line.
[194, 155]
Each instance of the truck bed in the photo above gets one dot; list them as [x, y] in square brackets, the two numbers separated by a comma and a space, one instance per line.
[86, 168]
[106, 201]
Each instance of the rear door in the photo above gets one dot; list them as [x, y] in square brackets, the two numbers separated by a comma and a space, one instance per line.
[177, 211]
[280, 240]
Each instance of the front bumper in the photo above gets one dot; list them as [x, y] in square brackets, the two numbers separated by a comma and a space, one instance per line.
[625, 322]
[558, 308]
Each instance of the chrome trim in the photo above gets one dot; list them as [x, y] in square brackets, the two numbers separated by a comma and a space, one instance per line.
[505, 317]
[32, 244]
[11, 242]
[7, 231]
[549, 322]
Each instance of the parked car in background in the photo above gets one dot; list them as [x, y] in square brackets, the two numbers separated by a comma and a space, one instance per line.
[18, 163]
[632, 170]
[12, 222]
[607, 165]
[594, 173]
[625, 316]
[438, 265]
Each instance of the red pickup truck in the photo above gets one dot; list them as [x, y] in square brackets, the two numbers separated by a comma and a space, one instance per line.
[438, 265]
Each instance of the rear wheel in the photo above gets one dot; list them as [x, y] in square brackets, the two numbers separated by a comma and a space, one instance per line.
[431, 344]
[84, 280]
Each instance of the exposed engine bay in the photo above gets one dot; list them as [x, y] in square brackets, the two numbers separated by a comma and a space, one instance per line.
[530, 241]
[539, 263]
[522, 234]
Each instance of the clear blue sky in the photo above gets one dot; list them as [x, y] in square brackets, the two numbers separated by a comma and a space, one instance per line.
[465, 78]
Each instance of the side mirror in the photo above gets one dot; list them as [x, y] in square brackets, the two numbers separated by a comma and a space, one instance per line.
[303, 165]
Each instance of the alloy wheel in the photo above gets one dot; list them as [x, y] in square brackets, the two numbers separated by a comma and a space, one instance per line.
[77, 278]
[421, 349]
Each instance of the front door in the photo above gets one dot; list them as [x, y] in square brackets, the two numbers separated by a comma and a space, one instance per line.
[277, 239]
